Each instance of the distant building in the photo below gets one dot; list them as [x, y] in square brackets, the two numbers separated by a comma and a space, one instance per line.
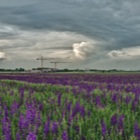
[39, 70]
[49, 69]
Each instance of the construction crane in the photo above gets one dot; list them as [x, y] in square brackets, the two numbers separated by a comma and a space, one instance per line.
[55, 63]
[42, 58]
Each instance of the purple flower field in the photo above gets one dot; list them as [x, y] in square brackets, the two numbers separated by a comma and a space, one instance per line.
[70, 107]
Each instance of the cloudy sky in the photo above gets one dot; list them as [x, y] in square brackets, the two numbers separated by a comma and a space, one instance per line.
[98, 34]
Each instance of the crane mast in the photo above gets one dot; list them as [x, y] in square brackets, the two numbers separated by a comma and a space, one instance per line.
[42, 58]
[56, 62]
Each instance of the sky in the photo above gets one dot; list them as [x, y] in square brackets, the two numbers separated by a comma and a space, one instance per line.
[92, 34]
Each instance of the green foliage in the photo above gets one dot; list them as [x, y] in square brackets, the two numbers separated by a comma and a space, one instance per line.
[89, 125]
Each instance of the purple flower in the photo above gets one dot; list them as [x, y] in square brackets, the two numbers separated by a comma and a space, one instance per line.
[89, 113]
[104, 129]
[40, 106]
[30, 115]
[17, 136]
[136, 130]
[22, 122]
[69, 106]
[120, 122]
[54, 127]
[77, 128]
[47, 127]
[70, 120]
[76, 109]
[21, 90]
[83, 138]
[59, 99]
[8, 137]
[6, 128]
[38, 119]
[134, 105]
[82, 111]
[113, 120]
[98, 101]
[5, 111]
[128, 99]
[65, 135]
[12, 93]
[114, 97]
[14, 107]
[63, 114]
[31, 136]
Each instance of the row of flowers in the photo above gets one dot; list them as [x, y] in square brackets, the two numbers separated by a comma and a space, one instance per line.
[83, 107]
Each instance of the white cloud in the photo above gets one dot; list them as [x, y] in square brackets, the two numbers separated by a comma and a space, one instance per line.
[83, 50]
[126, 53]
[116, 53]
[2, 55]
[30, 45]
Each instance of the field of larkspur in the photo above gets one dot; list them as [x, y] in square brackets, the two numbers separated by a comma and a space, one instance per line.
[70, 107]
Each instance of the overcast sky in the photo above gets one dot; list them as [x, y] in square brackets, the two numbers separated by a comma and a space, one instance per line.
[98, 34]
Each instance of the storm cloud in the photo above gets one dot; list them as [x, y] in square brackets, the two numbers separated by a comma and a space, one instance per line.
[92, 33]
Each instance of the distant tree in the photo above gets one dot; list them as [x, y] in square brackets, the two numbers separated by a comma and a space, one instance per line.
[2, 69]
[19, 69]
[66, 70]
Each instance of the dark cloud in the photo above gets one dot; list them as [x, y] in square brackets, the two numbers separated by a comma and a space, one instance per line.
[113, 24]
